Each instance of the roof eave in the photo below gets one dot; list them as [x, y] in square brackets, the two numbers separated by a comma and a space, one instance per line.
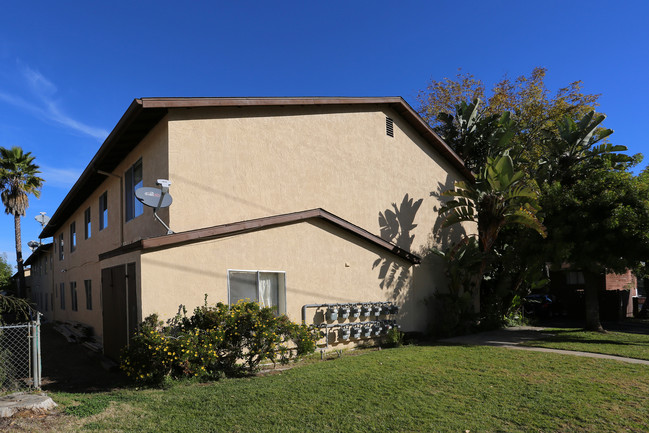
[224, 230]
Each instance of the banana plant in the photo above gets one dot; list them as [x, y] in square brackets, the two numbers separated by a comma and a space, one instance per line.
[474, 135]
[498, 198]
[578, 142]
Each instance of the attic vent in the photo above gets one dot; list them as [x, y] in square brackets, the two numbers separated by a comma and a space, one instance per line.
[389, 127]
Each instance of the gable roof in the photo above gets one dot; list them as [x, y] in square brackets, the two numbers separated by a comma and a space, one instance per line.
[224, 230]
[143, 114]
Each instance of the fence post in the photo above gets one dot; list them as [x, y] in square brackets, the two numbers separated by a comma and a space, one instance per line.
[36, 351]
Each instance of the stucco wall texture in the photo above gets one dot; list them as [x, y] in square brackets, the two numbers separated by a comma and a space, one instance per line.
[233, 164]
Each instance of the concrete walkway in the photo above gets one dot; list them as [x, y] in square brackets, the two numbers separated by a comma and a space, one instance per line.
[512, 338]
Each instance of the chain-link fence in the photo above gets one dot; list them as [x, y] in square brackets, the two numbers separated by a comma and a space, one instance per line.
[20, 356]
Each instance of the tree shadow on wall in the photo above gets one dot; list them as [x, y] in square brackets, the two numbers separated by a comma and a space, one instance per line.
[396, 225]
[447, 237]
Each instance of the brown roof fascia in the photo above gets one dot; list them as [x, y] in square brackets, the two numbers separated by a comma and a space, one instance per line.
[143, 114]
[267, 101]
[192, 236]
[130, 129]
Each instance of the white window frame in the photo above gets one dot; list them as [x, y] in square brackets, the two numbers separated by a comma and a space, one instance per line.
[259, 271]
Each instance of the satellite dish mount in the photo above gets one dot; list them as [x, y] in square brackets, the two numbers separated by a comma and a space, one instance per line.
[156, 198]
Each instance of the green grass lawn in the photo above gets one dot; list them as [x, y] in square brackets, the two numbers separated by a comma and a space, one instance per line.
[611, 343]
[411, 389]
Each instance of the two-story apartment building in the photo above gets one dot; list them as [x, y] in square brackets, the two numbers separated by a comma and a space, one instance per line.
[288, 201]
[39, 264]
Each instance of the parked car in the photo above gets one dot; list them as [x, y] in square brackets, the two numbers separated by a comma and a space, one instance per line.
[537, 305]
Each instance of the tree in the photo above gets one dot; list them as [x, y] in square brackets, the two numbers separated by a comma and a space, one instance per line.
[9, 303]
[498, 198]
[534, 109]
[600, 224]
[6, 272]
[563, 150]
[596, 211]
[476, 136]
[18, 179]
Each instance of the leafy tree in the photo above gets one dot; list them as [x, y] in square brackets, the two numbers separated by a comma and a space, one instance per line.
[597, 212]
[18, 179]
[528, 98]
[9, 303]
[599, 224]
[6, 271]
[534, 109]
[563, 150]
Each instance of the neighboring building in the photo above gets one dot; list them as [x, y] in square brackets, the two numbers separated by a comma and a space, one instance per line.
[616, 293]
[288, 201]
[41, 278]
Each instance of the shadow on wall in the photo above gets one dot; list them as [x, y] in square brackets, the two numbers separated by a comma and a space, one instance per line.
[443, 238]
[413, 286]
[396, 226]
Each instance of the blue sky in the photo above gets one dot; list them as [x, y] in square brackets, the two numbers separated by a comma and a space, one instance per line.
[69, 70]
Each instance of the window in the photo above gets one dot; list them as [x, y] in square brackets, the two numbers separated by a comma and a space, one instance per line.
[73, 295]
[103, 211]
[73, 236]
[62, 295]
[132, 181]
[267, 288]
[575, 278]
[88, 286]
[61, 254]
[87, 224]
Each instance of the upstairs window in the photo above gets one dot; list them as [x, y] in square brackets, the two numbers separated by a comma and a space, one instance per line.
[132, 181]
[73, 237]
[103, 211]
[61, 253]
[87, 224]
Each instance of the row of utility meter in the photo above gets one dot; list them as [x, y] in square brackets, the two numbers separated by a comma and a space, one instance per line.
[366, 329]
[347, 311]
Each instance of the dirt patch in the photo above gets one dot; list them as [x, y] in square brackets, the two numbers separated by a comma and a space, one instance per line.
[70, 367]
[28, 421]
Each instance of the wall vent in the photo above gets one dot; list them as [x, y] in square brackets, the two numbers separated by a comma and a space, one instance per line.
[389, 127]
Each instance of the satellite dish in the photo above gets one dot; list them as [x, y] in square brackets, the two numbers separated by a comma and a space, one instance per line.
[156, 198]
[33, 245]
[153, 197]
[42, 219]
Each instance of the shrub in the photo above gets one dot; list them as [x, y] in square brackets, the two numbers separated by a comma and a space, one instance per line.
[213, 342]
[394, 338]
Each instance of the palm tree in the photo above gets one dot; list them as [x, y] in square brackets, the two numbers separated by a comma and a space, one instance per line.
[18, 178]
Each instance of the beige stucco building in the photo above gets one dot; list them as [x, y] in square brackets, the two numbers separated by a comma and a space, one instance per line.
[293, 201]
